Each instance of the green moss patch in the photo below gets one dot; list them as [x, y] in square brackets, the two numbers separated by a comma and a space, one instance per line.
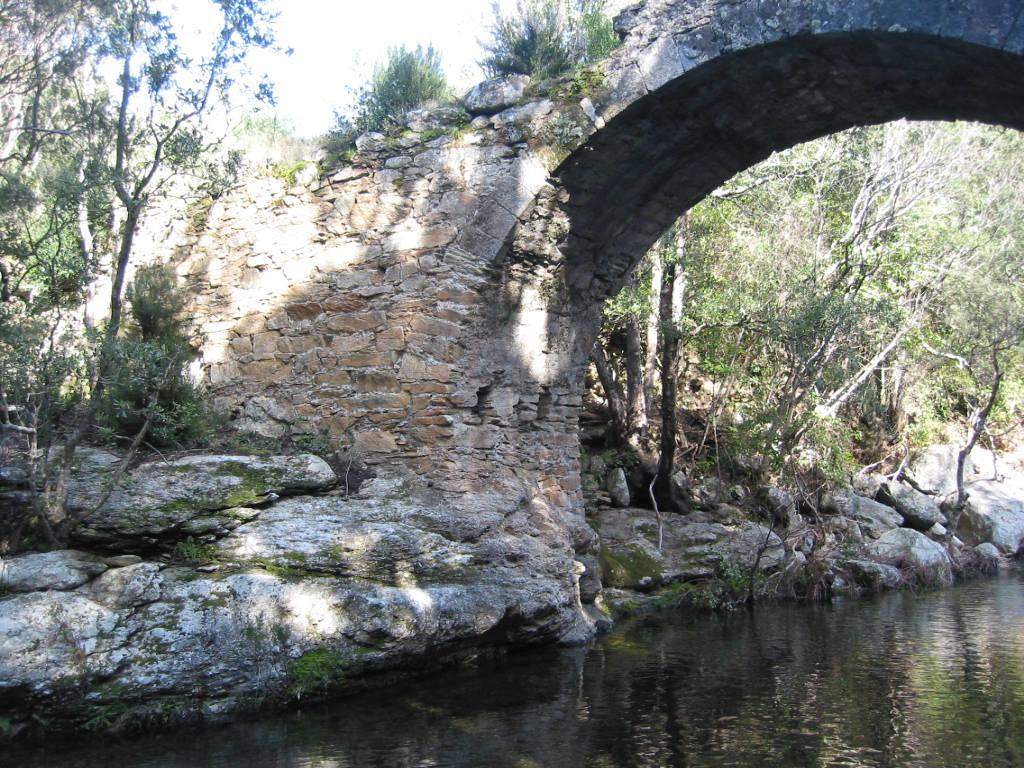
[315, 673]
[628, 569]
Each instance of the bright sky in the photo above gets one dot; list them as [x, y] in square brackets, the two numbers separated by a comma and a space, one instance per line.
[337, 43]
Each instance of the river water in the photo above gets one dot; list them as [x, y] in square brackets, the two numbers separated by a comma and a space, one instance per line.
[928, 680]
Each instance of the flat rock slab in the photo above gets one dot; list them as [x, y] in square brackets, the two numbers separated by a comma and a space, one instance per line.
[347, 538]
[202, 496]
[62, 570]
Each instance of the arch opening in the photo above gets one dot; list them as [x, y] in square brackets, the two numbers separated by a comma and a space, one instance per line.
[669, 149]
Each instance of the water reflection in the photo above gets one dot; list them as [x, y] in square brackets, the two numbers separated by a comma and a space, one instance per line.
[929, 680]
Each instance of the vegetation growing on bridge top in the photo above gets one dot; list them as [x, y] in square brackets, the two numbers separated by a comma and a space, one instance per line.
[548, 38]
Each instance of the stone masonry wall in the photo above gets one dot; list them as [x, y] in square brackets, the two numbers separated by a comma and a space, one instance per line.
[372, 306]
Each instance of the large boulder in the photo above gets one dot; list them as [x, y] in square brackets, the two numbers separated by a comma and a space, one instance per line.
[200, 496]
[919, 510]
[617, 487]
[873, 517]
[933, 468]
[914, 552]
[305, 598]
[693, 547]
[994, 513]
[781, 504]
[492, 96]
[873, 576]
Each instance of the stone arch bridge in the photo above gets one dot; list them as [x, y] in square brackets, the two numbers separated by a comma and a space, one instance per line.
[431, 305]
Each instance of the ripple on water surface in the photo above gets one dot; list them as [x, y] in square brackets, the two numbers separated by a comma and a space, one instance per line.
[925, 681]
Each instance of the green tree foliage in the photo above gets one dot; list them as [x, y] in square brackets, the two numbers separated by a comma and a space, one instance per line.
[547, 38]
[851, 293]
[84, 158]
[877, 235]
[150, 387]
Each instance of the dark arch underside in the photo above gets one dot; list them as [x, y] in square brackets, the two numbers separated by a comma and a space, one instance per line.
[669, 149]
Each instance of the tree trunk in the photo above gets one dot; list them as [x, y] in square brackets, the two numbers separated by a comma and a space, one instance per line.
[670, 308]
[612, 391]
[979, 419]
[669, 352]
[636, 403]
[653, 324]
[892, 392]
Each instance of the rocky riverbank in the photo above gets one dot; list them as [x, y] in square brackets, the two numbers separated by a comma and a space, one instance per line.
[209, 585]
[739, 544]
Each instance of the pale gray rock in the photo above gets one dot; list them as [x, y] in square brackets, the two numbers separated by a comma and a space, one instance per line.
[874, 518]
[995, 514]
[357, 538]
[679, 490]
[371, 142]
[874, 576]
[617, 487]
[523, 115]
[194, 496]
[121, 561]
[680, 483]
[422, 120]
[781, 505]
[492, 96]
[919, 510]
[126, 587]
[87, 461]
[909, 549]
[13, 477]
[866, 484]
[215, 642]
[62, 570]
[52, 642]
[709, 492]
[933, 468]
[690, 549]
[988, 549]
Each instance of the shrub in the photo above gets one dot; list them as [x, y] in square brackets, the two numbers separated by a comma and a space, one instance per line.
[408, 79]
[150, 383]
[192, 551]
[547, 38]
